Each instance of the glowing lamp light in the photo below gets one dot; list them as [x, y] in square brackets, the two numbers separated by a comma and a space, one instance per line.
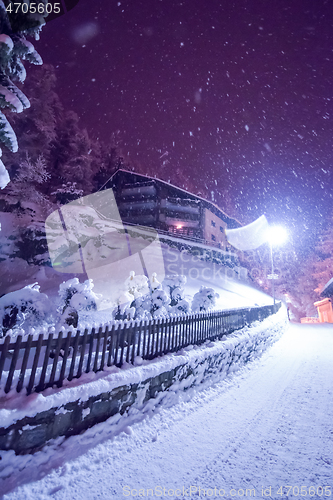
[179, 226]
[276, 235]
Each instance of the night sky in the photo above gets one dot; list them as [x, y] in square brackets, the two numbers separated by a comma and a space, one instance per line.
[235, 96]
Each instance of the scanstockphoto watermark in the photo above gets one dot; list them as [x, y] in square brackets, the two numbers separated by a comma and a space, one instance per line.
[190, 491]
[198, 491]
[204, 266]
[259, 263]
[263, 255]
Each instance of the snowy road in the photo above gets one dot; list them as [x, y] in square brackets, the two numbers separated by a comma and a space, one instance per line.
[270, 425]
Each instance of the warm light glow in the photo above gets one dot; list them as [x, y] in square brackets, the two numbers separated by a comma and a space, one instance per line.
[179, 226]
[276, 235]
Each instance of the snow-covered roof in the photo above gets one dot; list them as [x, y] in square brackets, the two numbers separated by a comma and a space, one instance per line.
[327, 291]
[168, 184]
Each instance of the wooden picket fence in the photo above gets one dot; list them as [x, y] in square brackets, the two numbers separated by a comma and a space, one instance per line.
[38, 363]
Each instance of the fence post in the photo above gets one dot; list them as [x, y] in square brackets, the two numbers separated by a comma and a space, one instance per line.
[55, 359]
[112, 345]
[167, 337]
[105, 339]
[34, 366]
[158, 337]
[145, 337]
[97, 349]
[140, 327]
[83, 351]
[4, 354]
[122, 335]
[91, 345]
[129, 340]
[117, 344]
[13, 363]
[64, 359]
[152, 338]
[24, 364]
[41, 384]
[75, 348]
[133, 340]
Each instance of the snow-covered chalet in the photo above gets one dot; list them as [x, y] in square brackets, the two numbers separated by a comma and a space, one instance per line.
[151, 202]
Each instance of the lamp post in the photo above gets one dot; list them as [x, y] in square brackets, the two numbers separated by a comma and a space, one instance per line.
[272, 275]
[276, 235]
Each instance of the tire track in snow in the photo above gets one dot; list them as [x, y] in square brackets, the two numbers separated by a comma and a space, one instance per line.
[289, 440]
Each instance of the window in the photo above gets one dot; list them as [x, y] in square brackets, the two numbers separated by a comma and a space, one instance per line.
[221, 229]
[213, 237]
[213, 223]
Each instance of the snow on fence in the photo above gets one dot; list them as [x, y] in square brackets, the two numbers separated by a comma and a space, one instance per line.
[37, 364]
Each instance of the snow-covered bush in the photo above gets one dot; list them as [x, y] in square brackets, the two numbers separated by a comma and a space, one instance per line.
[123, 309]
[154, 303]
[75, 297]
[182, 307]
[137, 285]
[140, 308]
[144, 299]
[132, 300]
[204, 300]
[78, 295]
[25, 308]
[141, 299]
[159, 302]
[154, 283]
[174, 286]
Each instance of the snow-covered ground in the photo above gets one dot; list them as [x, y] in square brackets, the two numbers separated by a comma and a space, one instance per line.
[267, 427]
[233, 291]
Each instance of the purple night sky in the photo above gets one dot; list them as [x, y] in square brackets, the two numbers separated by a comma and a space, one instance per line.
[233, 96]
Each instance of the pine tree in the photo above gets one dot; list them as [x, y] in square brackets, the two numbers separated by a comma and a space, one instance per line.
[14, 49]
[301, 293]
[73, 159]
[313, 274]
[37, 127]
[45, 150]
[55, 164]
[27, 206]
[109, 159]
[67, 150]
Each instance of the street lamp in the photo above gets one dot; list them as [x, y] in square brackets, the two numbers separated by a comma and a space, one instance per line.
[276, 235]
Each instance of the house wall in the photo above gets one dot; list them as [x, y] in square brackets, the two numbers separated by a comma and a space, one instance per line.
[214, 229]
[325, 311]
